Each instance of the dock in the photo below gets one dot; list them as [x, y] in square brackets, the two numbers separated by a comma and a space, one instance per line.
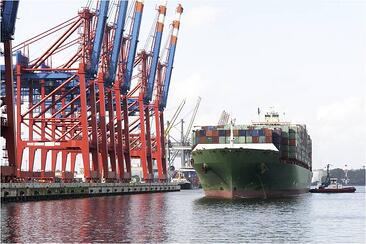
[18, 192]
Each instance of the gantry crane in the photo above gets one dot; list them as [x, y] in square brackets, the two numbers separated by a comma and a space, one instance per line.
[162, 90]
[183, 146]
[84, 106]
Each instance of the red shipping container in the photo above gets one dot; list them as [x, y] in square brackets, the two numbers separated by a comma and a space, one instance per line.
[227, 132]
[236, 132]
[215, 139]
[255, 139]
[209, 133]
[268, 139]
[292, 142]
[215, 133]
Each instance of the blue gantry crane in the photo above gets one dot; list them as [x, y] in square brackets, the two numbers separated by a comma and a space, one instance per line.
[92, 70]
[9, 12]
[171, 55]
[117, 43]
[139, 6]
[155, 53]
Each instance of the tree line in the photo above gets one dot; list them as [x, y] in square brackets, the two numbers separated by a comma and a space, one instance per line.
[355, 176]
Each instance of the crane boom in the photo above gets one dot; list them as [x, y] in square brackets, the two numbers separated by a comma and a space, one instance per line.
[175, 116]
[139, 6]
[98, 38]
[188, 132]
[224, 118]
[156, 49]
[8, 18]
[117, 42]
[171, 54]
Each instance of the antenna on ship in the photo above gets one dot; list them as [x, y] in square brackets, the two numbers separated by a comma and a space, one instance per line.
[346, 180]
[232, 123]
[327, 180]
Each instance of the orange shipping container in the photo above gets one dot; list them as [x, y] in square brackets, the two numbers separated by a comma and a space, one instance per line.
[202, 139]
[208, 132]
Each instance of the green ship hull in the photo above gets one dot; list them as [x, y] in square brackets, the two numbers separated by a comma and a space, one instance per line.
[248, 173]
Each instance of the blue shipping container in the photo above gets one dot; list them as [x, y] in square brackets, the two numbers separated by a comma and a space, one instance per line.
[222, 132]
[241, 132]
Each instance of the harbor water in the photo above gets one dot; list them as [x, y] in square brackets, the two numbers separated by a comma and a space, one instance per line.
[187, 216]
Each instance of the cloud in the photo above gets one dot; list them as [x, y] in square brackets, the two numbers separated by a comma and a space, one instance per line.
[190, 88]
[200, 16]
[343, 116]
[338, 133]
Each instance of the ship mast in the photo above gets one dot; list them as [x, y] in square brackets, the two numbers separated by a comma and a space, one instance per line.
[327, 180]
[346, 175]
[232, 122]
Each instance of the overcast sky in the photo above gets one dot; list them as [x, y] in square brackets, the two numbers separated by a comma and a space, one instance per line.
[305, 58]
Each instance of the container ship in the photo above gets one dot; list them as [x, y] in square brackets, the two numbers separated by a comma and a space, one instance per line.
[260, 160]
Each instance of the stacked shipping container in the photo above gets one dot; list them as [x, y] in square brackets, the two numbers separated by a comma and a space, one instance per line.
[292, 141]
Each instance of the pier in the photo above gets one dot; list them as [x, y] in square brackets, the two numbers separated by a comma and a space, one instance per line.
[17, 192]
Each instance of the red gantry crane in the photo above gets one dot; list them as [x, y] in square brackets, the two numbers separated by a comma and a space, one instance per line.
[95, 104]
[141, 145]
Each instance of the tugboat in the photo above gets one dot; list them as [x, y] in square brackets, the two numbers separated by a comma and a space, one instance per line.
[187, 178]
[331, 185]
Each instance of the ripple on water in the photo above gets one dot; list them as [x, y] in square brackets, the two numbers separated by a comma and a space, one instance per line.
[187, 216]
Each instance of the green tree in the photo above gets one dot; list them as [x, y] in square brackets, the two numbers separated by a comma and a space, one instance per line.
[355, 176]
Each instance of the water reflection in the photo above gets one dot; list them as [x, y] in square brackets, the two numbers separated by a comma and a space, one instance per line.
[212, 201]
[270, 220]
[130, 218]
[187, 216]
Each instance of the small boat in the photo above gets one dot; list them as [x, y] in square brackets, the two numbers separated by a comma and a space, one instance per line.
[331, 185]
[183, 182]
[186, 178]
